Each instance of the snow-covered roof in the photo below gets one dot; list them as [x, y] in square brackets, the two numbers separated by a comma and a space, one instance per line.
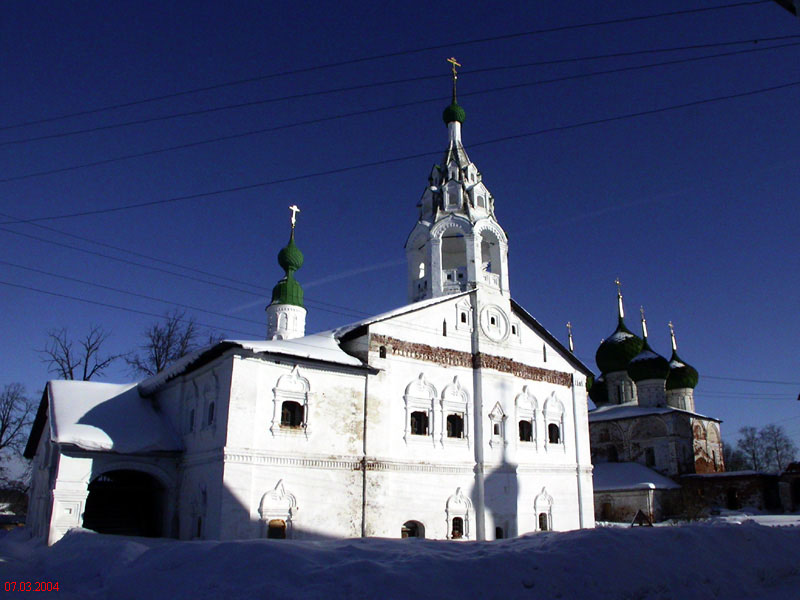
[319, 346]
[341, 331]
[107, 416]
[628, 476]
[629, 411]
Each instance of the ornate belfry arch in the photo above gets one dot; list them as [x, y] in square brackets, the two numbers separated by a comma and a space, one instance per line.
[457, 243]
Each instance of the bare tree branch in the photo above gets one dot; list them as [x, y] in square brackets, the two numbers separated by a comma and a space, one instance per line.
[16, 416]
[165, 343]
[66, 361]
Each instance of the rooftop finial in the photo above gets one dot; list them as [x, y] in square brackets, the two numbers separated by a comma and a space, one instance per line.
[619, 298]
[672, 335]
[644, 323]
[294, 210]
[454, 64]
[569, 335]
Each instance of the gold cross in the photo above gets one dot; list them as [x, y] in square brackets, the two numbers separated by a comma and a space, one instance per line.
[294, 210]
[455, 64]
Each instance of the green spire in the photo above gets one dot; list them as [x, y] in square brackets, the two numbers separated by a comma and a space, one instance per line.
[288, 290]
[454, 112]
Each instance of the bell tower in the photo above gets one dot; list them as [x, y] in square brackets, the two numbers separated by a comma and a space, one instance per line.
[286, 315]
[457, 244]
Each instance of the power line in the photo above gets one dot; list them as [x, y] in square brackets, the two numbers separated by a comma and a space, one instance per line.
[114, 306]
[384, 162]
[352, 313]
[252, 103]
[126, 292]
[384, 56]
[768, 381]
[369, 111]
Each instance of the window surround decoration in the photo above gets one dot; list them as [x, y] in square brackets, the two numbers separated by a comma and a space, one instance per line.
[455, 400]
[458, 506]
[543, 504]
[554, 415]
[527, 407]
[419, 397]
[497, 427]
[295, 388]
[278, 504]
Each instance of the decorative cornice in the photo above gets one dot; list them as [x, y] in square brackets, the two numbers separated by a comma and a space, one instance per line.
[458, 358]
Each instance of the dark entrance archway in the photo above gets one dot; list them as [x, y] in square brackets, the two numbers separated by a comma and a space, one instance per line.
[125, 502]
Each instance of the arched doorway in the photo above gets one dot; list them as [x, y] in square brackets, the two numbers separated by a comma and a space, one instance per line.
[412, 529]
[125, 502]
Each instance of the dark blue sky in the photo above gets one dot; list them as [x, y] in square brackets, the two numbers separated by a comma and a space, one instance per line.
[695, 209]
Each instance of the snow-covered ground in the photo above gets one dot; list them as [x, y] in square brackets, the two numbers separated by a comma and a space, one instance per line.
[699, 561]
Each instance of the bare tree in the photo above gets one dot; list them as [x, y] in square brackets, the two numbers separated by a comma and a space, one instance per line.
[734, 459]
[751, 445]
[77, 359]
[165, 343]
[779, 449]
[16, 416]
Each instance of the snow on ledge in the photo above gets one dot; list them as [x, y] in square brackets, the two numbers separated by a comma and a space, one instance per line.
[108, 417]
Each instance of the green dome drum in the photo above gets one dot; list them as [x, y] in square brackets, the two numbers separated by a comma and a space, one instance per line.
[648, 365]
[616, 352]
[681, 375]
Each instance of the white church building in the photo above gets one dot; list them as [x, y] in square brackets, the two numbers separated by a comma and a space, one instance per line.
[457, 416]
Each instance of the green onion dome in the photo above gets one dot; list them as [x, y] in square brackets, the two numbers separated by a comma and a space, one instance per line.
[454, 113]
[616, 352]
[288, 290]
[648, 365]
[598, 391]
[681, 375]
[290, 258]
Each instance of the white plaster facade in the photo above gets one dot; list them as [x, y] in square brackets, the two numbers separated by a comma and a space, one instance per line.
[457, 417]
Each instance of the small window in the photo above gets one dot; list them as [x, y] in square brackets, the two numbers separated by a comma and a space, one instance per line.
[191, 420]
[458, 528]
[498, 533]
[493, 320]
[544, 352]
[455, 426]
[650, 457]
[199, 532]
[513, 330]
[496, 429]
[449, 277]
[543, 525]
[463, 317]
[419, 423]
[211, 414]
[276, 529]
[291, 414]
[382, 351]
[553, 434]
[525, 431]
[444, 328]
[421, 270]
[613, 455]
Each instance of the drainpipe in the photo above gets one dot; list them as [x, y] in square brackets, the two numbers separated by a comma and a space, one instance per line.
[364, 457]
[477, 391]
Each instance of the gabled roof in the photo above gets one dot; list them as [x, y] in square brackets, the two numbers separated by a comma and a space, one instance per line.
[628, 476]
[539, 328]
[353, 329]
[102, 416]
[610, 412]
[321, 347]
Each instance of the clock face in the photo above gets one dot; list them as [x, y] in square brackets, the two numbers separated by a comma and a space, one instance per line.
[494, 323]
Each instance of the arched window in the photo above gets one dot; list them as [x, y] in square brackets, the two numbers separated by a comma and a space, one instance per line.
[455, 426]
[525, 431]
[463, 317]
[419, 422]
[276, 529]
[283, 321]
[553, 434]
[382, 352]
[543, 524]
[457, 531]
[444, 328]
[211, 414]
[291, 414]
[421, 270]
